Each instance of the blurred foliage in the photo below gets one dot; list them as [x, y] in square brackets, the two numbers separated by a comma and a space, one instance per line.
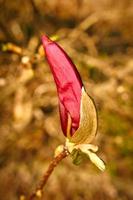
[98, 36]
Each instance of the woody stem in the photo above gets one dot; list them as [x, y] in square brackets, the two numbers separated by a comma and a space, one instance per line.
[39, 189]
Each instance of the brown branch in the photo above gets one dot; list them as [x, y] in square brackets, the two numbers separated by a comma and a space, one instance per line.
[39, 189]
[10, 47]
[36, 11]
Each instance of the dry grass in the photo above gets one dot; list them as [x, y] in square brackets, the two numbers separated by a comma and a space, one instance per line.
[98, 36]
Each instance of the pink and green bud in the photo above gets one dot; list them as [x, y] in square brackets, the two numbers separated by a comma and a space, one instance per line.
[77, 111]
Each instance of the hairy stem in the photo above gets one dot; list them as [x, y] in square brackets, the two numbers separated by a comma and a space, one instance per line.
[39, 189]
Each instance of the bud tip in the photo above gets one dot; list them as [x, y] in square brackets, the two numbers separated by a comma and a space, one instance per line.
[45, 40]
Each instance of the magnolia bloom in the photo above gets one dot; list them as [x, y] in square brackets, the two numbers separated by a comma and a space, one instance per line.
[77, 110]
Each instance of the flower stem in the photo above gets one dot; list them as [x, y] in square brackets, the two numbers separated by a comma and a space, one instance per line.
[39, 189]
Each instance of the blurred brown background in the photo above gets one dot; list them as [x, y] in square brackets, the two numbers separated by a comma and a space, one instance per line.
[98, 35]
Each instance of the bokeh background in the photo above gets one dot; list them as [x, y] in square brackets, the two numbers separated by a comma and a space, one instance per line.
[98, 35]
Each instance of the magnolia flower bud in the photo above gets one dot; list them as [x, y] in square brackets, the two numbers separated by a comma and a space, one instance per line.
[68, 83]
[77, 110]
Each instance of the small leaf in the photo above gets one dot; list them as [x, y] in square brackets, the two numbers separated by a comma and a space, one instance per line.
[96, 160]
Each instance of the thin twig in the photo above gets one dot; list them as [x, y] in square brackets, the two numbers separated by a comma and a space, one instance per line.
[39, 189]
[36, 11]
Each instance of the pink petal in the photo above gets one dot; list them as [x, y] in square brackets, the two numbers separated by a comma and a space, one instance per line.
[68, 83]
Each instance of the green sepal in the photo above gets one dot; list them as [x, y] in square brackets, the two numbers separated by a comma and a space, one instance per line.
[78, 157]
